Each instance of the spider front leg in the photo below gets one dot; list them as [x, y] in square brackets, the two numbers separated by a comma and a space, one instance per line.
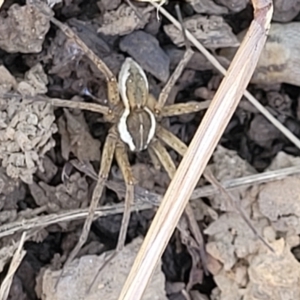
[172, 80]
[112, 84]
[163, 110]
[183, 108]
[106, 161]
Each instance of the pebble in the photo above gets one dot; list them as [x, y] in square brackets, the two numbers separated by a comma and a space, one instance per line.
[146, 51]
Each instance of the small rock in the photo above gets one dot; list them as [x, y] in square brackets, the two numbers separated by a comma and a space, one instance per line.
[23, 30]
[145, 49]
[274, 276]
[285, 11]
[279, 60]
[109, 4]
[123, 21]
[234, 5]
[75, 282]
[207, 7]
[213, 32]
[262, 132]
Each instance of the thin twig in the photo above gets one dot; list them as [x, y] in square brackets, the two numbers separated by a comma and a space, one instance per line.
[199, 152]
[65, 216]
[179, 16]
[134, 9]
[143, 200]
[14, 265]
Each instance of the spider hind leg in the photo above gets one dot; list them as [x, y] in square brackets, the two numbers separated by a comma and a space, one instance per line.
[106, 161]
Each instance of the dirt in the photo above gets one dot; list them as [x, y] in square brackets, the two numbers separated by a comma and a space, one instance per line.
[49, 157]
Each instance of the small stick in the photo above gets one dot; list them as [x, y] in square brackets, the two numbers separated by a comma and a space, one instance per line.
[179, 16]
[14, 265]
[179, 69]
[143, 200]
[199, 152]
[134, 9]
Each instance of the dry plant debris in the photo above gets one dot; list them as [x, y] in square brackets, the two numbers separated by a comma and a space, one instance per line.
[11, 191]
[123, 20]
[76, 138]
[81, 273]
[14, 265]
[213, 32]
[72, 193]
[26, 133]
[249, 269]
[23, 30]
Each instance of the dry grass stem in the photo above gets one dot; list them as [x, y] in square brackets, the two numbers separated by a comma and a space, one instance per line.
[199, 152]
[14, 265]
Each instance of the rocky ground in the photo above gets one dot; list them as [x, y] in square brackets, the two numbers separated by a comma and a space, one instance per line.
[49, 157]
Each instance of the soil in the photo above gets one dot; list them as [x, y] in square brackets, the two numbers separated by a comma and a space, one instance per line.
[50, 156]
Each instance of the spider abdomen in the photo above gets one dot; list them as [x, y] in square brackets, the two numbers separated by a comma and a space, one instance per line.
[137, 128]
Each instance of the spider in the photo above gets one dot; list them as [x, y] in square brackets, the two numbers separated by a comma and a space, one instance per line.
[135, 117]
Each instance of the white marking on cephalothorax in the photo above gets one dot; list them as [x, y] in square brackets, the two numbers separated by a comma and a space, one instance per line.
[141, 134]
[153, 125]
[123, 130]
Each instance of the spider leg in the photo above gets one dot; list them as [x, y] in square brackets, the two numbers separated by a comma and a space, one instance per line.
[171, 140]
[72, 104]
[112, 85]
[163, 156]
[123, 162]
[170, 168]
[154, 159]
[183, 108]
[106, 160]
[172, 80]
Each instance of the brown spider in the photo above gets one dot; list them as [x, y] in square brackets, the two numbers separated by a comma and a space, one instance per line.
[135, 126]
